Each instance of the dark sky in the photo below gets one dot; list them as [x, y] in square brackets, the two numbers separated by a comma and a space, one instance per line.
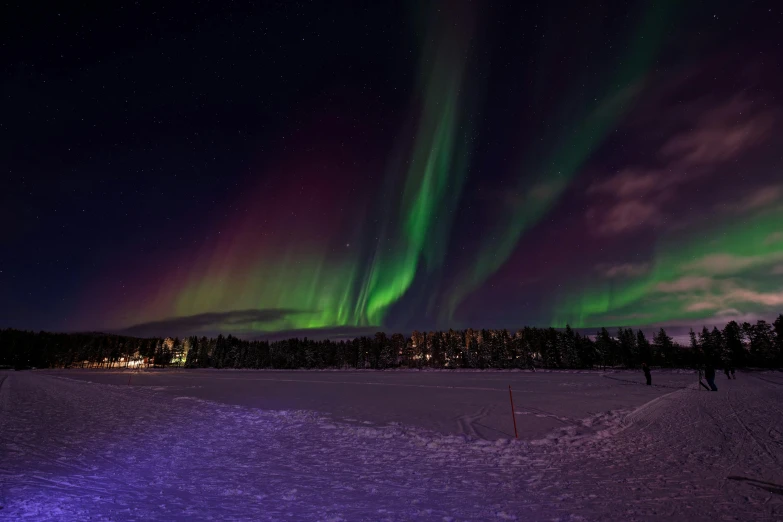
[338, 167]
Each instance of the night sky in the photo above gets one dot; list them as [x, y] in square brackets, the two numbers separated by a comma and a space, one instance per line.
[330, 168]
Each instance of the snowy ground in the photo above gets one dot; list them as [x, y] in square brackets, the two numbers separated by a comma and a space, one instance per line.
[243, 445]
[472, 403]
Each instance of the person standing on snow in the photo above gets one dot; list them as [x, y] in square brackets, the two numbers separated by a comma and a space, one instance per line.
[726, 371]
[646, 370]
[709, 374]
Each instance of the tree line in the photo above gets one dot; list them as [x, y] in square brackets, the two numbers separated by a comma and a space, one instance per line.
[736, 345]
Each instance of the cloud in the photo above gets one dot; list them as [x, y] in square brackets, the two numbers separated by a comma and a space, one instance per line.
[762, 198]
[685, 284]
[208, 323]
[623, 270]
[728, 312]
[625, 216]
[678, 328]
[720, 135]
[759, 198]
[733, 299]
[628, 183]
[722, 264]
[700, 306]
[732, 314]
[751, 296]
[774, 239]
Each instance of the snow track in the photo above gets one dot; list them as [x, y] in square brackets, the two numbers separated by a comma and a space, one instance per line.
[72, 450]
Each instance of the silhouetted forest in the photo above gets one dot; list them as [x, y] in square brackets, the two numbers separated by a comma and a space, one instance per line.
[736, 345]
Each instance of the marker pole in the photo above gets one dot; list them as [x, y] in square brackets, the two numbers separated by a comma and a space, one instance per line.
[513, 412]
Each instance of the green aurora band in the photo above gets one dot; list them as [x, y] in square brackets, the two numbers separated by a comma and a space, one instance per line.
[693, 279]
[434, 180]
[555, 172]
[311, 284]
[315, 291]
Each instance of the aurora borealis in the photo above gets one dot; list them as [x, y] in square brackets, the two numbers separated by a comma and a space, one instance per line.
[327, 170]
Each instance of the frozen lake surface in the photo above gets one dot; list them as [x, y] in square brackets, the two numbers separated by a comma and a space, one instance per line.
[474, 403]
[263, 445]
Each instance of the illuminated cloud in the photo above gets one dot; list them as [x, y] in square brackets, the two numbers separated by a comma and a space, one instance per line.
[685, 284]
[715, 137]
[725, 267]
[628, 183]
[757, 199]
[743, 295]
[774, 239]
[736, 299]
[625, 216]
[623, 270]
[723, 264]
[728, 313]
[719, 135]
[701, 306]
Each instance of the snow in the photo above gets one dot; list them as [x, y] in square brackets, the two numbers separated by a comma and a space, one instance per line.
[340, 446]
[471, 403]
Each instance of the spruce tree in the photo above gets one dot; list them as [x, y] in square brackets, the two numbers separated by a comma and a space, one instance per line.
[587, 351]
[707, 347]
[605, 347]
[762, 342]
[471, 350]
[568, 347]
[664, 346]
[193, 349]
[384, 348]
[720, 352]
[627, 344]
[733, 337]
[398, 346]
[695, 348]
[453, 349]
[643, 348]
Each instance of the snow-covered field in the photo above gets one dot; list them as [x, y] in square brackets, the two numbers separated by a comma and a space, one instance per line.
[261, 445]
[472, 403]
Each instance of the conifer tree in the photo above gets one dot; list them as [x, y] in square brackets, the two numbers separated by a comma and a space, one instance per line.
[643, 348]
[733, 337]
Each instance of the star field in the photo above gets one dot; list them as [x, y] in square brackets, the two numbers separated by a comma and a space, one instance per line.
[332, 168]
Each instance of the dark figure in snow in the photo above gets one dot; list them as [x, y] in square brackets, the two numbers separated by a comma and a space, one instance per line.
[733, 375]
[709, 374]
[646, 370]
[726, 371]
[701, 383]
